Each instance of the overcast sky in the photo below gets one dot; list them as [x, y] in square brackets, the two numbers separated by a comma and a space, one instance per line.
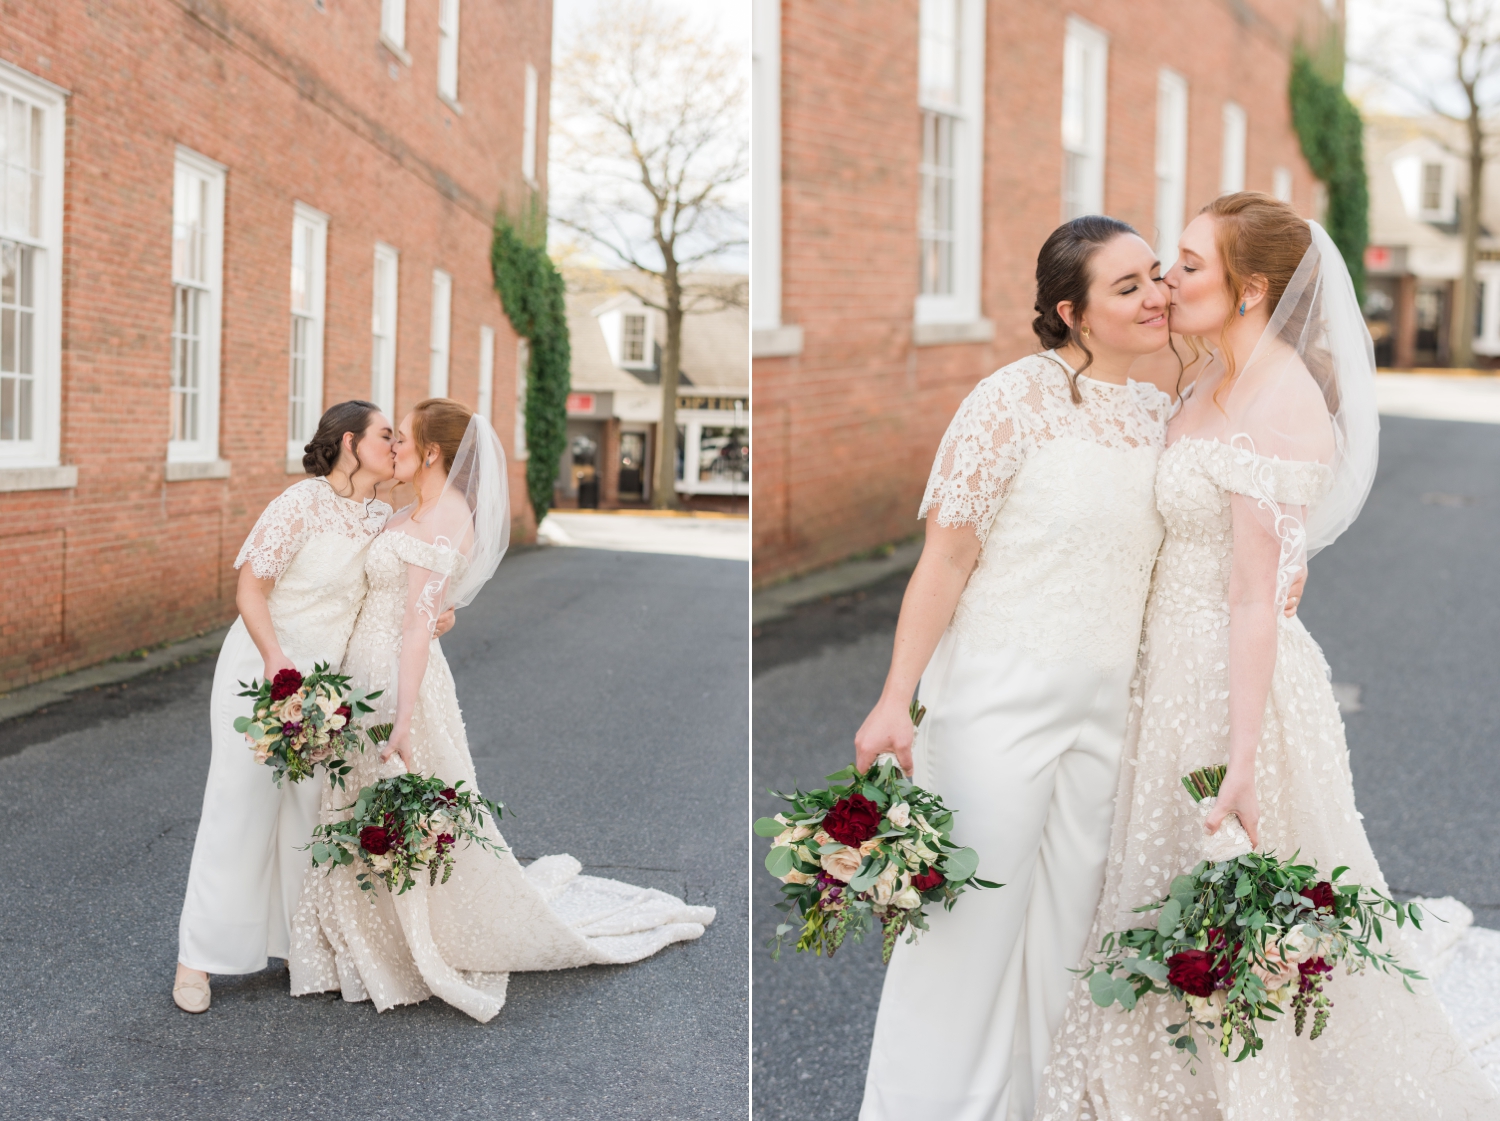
[1402, 34]
[732, 17]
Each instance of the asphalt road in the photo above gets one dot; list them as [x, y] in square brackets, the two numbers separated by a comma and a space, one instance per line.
[1406, 606]
[606, 697]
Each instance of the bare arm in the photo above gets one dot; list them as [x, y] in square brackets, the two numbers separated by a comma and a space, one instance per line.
[948, 557]
[1252, 660]
[251, 597]
[416, 640]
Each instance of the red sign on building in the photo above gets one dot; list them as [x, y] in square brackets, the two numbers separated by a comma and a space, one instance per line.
[580, 404]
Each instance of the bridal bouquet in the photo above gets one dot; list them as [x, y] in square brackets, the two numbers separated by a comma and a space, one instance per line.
[300, 723]
[1241, 940]
[402, 825]
[871, 848]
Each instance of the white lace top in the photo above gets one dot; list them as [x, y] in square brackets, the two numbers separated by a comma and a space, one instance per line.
[312, 543]
[1061, 496]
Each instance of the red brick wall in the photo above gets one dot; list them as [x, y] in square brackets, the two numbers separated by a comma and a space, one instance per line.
[846, 430]
[300, 105]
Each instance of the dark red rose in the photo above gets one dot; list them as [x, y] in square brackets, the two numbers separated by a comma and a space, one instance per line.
[449, 795]
[285, 683]
[1192, 971]
[343, 710]
[1320, 895]
[375, 840]
[926, 881]
[853, 820]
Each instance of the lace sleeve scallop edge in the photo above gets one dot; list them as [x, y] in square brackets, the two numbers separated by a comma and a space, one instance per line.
[979, 455]
[279, 531]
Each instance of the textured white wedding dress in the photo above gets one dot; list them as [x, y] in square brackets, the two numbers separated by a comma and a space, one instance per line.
[247, 862]
[461, 939]
[1026, 697]
[1386, 1053]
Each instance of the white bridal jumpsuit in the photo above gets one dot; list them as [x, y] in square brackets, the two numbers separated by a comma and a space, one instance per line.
[247, 863]
[1026, 697]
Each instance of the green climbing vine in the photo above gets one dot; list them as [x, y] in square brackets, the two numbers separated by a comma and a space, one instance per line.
[532, 292]
[1332, 137]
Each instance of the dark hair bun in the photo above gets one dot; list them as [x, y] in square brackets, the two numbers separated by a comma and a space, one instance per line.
[327, 444]
[1064, 273]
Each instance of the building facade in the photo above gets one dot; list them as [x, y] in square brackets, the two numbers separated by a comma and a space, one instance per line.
[911, 156]
[1419, 177]
[614, 409]
[218, 219]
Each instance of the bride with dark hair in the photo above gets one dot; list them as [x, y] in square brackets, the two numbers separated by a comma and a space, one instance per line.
[301, 585]
[1022, 621]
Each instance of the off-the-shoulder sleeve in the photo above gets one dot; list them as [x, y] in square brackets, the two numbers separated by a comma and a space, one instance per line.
[1237, 468]
[980, 454]
[438, 559]
[280, 531]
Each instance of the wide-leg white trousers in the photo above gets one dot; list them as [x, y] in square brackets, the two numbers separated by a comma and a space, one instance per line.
[247, 866]
[1027, 754]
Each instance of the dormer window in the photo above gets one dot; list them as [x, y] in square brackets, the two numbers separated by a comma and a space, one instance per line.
[1432, 186]
[633, 340]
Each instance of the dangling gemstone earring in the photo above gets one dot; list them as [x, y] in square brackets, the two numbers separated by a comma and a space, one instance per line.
[1242, 307]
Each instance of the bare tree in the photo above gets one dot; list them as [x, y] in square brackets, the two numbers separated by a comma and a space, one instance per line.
[651, 137]
[1467, 34]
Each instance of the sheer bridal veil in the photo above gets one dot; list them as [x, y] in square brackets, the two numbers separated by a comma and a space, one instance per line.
[469, 523]
[1306, 397]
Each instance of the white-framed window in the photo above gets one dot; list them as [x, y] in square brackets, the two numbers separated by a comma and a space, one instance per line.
[765, 166]
[31, 208]
[393, 23]
[487, 373]
[1436, 192]
[197, 295]
[448, 49]
[1085, 73]
[523, 379]
[950, 100]
[305, 376]
[1171, 162]
[442, 317]
[713, 452]
[635, 339]
[383, 329]
[1232, 166]
[1281, 184]
[528, 135]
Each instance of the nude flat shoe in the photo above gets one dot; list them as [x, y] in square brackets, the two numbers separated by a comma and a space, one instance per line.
[192, 995]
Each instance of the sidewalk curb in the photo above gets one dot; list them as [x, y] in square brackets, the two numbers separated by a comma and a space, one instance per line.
[29, 698]
[778, 600]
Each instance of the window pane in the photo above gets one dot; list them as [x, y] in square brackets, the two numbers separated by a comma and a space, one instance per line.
[7, 408]
[724, 455]
[8, 340]
[938, 55]
[23, 407]
[935, 220]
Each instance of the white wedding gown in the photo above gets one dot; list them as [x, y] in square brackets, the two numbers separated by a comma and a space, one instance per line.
[1386, 1053]
[247, 865]
[1026, 699]
[461, 939]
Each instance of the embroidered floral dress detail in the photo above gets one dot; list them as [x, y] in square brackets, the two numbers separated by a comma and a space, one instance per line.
[1388, 1053]
[459, 940]
[1060, 495]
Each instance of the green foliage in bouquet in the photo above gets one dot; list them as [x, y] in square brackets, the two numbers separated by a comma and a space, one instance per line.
[403, 824]
[298, 724]
[1238, 940]
[872, 847]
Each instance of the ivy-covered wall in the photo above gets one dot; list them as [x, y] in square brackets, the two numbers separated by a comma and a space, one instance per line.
[532, 292]
[1332, 136]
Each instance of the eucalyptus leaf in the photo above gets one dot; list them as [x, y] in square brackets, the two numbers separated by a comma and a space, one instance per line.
[1171, 915]
[780, 860]
[768, 827]
[960, 864]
